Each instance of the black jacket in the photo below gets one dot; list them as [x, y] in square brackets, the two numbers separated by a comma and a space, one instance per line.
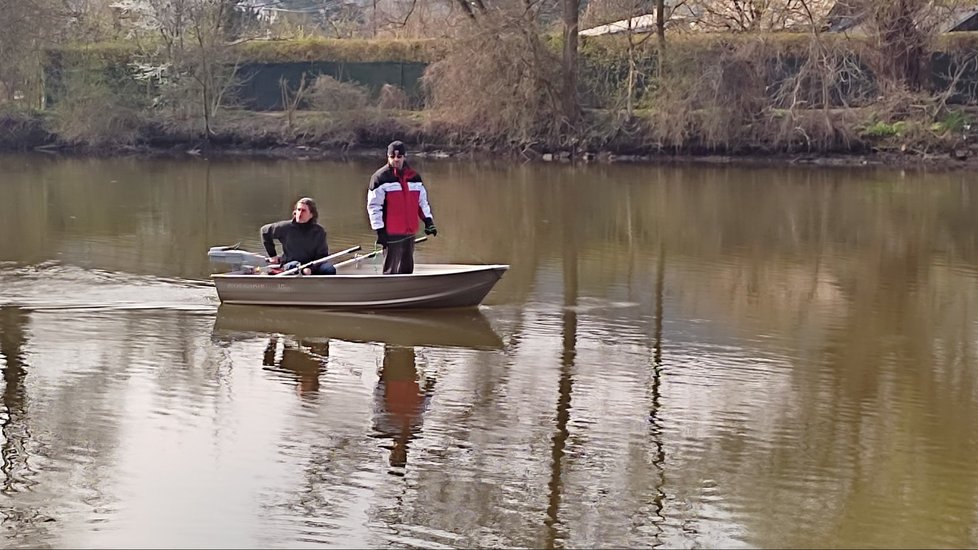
[301, 242]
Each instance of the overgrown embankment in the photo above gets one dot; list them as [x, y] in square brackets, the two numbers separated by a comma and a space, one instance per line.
[744, 95]
[23, 131]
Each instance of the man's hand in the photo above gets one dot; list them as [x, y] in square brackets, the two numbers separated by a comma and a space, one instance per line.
[382, 237]
[429, 227]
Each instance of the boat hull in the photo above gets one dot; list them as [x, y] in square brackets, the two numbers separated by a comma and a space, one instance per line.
[430, 286]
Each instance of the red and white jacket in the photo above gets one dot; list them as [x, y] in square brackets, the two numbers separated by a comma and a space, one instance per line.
[396, 200]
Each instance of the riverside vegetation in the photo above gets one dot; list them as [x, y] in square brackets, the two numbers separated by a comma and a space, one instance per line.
[892, 92]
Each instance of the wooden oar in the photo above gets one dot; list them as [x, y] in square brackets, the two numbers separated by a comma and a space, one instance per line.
[372, 254]
[319, 261]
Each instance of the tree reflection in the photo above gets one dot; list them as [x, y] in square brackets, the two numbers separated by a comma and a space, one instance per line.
[14, 423]
[655, 422]
[13, 321]
[23, 212]
[402, 397]
[565, 384]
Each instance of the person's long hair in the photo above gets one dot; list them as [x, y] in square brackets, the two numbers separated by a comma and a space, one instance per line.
[313, 209]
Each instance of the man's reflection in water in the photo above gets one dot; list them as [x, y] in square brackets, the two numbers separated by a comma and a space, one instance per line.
[303, 359]
[401, 399]
[24, 520]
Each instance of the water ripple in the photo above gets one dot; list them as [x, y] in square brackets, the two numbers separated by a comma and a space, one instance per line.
[59, 287]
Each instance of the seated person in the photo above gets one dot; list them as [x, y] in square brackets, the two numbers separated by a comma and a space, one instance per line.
[303, 240]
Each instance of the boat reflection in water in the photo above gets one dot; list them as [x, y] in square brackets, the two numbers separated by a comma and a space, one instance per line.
[464, 328]
[298, 345]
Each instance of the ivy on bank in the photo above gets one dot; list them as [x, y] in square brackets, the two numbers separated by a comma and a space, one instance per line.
[269, 51]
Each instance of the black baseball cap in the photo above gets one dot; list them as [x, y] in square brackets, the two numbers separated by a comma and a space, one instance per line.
[396, 147]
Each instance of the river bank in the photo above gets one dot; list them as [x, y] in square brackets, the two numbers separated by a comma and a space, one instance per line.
[267, 135]
[944, 160]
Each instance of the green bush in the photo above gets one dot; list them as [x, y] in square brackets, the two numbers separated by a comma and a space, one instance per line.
[881, 129]
[956, 122]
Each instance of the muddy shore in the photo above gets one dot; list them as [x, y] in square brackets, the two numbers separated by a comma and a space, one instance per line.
[932, 161]
[31, 135]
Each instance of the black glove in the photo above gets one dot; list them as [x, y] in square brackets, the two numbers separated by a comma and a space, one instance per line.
[382, 237]
[429, 228]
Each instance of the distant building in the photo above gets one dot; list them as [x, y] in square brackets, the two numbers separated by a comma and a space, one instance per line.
[270, 10]
[845, 15]
[683, 15]
[959, 20]
[852, 17]
[723, 16]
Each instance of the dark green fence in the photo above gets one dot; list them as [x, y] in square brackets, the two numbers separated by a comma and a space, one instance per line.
[260, 89]
[601, 82]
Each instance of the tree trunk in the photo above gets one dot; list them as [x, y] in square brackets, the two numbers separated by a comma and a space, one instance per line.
[660, 33]
[571, 15]
[901, 41]
[630, 91]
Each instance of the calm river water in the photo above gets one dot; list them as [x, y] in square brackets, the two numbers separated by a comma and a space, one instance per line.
[678, 357]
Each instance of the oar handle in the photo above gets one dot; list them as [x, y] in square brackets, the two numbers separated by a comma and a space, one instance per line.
[319, 261]
[372, 254]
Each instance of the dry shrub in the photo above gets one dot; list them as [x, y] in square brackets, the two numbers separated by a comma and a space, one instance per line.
[711, 99]
[912, 120]
[94, 122]
[825, 74]
[904, 32]
[901, 104]
[97, 111]
[329, 94]
[812, 130]
[346, 129]
[760, 95]
[393, 98]
[812, 104]
[956, 77]
[499, 85]
[190, 99]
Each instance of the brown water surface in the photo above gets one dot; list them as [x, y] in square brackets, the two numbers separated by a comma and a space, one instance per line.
[678, 357]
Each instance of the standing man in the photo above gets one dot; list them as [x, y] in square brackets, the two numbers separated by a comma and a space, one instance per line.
[303, 240]
[396, 199]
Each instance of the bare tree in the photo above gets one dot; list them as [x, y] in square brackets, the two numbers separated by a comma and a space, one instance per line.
[502, 82]
[632, 20]
[902, 34]
[26, 28]
[197, 58]
[479, 10]
[210, 60]
[291, 99]
[571, 19]
[757, 15]
[660, 32]
[900, 40]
